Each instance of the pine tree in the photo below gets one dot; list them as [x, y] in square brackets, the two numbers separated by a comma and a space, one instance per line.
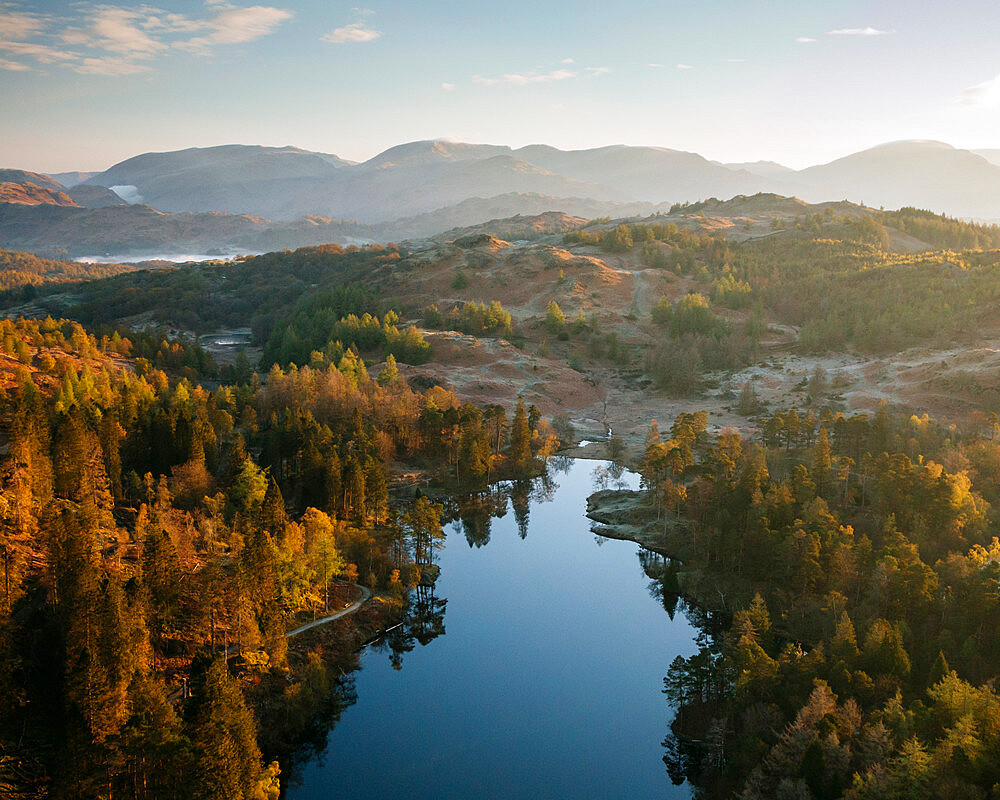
[555, 319]
[376, 489]
[80, 475]
[227, 759]
[939, 669]
[261, 592]
[821, 463]
[272, 511]
[389, 376]
[161, 573]
[155, 750]
[519, 451]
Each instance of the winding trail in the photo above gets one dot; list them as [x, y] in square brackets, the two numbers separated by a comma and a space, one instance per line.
[365, 595]
[233, 649]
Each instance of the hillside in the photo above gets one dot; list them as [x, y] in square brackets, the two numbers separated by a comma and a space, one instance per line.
[21, 176]
[29, 194]
[699, 301]
[517, 227]
[19, 270]
[925, 174]
[418, 178]
[229, 178]
[130, 230]
[123, 231]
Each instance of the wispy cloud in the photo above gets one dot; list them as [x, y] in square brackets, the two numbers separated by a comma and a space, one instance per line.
[19, 24]
[111, 65]
[982, 95]
[118, 30]
[656, 66]
[448, 87]
[736, 60]
[597, 70]
[42, 53]
[522, 79]
[101, 39]
[355, 32]
[237, 26]
[13, 66]
[805, 40]
[569, 61]
[684, 66]
[858, 32]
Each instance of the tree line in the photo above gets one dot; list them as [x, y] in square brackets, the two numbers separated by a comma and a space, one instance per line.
[846, 572]
[151, 529]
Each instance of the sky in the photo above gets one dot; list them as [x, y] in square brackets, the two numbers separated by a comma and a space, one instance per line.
[84, 85]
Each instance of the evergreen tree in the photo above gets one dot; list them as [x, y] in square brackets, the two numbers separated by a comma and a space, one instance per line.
[519, 450]
[161, 574]
[227, 758]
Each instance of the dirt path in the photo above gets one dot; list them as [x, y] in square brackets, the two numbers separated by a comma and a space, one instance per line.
[233, 649]
[365, 595]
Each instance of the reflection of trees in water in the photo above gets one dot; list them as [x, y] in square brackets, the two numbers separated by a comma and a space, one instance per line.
[543, 488]
[423, 618]
[610, 475]
[560, 464]
[520, 500]
[474, 513]
[422, 623]
[691, 683]
[311, 741]
[664, 585]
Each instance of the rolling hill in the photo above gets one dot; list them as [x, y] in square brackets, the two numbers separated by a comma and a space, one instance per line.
[268, 197]
[422, 177]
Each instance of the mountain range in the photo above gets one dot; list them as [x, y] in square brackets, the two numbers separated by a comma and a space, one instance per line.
[421, 177]
[295, 196]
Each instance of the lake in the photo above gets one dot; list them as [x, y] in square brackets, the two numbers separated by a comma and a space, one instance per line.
[546, 683]
[176, 258]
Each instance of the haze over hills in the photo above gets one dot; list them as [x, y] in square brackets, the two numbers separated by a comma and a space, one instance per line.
[915, 173]
[421, 177]
[993, 156]
[70, 179]
[253, 197]
[33, 188]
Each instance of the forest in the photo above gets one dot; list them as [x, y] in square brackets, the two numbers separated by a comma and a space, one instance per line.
[844, 571]
[21, 273]
[159, 540]
[167, 521]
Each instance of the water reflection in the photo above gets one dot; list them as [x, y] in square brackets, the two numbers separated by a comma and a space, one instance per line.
[422, 623]
[529, 602]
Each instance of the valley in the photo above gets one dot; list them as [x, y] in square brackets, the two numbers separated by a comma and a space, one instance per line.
[558, 401]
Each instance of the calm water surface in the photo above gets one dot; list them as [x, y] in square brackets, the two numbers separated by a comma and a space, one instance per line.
[546, 683]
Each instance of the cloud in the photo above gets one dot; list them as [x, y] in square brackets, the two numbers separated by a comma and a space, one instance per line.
[110, 65]
[736, 60]
[13, 66]
[982, 95]
[805, 39]
[597, 70]
[237, 26]
[448, 87]
[101, 39]
[19, 24]
[515, 79]
[656, 66]
[684, 66]
[858, 32]
[355, 32]
[43, 54]
[569, 61]
[115, 29]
